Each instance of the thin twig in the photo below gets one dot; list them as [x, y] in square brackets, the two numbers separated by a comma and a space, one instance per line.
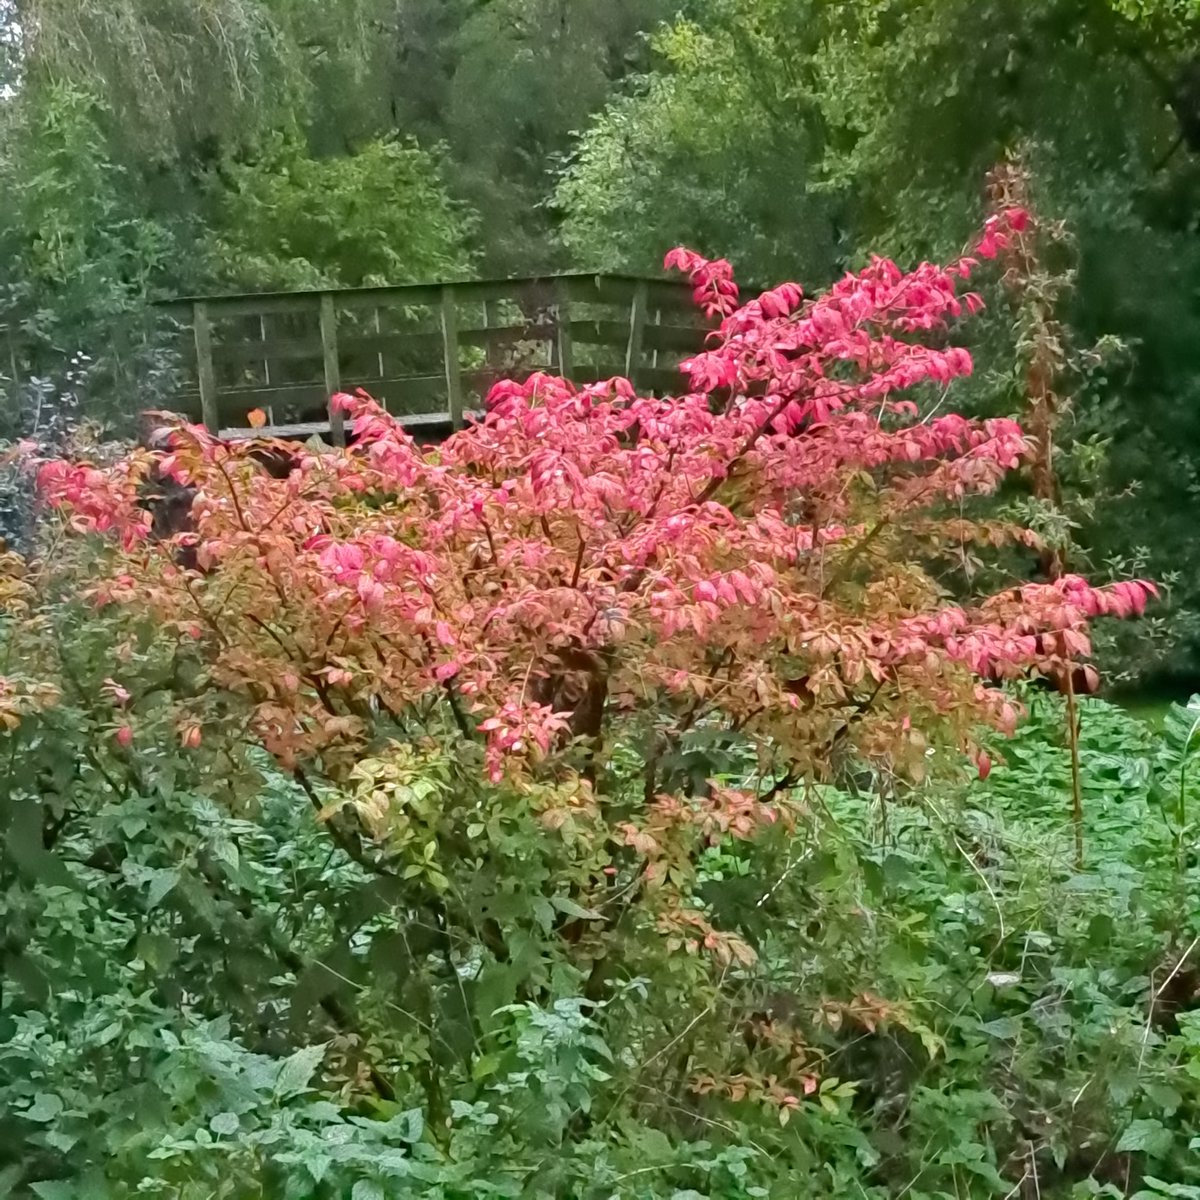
[1162, 987]
[983, 878]
[1076, 782]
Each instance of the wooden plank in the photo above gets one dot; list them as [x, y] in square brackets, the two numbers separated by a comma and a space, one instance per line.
[501, 336]
[596, 289]
[405, 295]
[307, 429]
[428, 295]
[403, 391]
[477, 291]
[262, 337]
[333, 376]
[620, 290]
[380, 366]
[294, 429]
[273, 349]
[251, 303]
[224, 307]
[400, 388]
[585, 284]
[279, 350]
[302, 349]
[205, 375]
[661, 381]
[450, 349]
[654, 337]
[674, 337]
[637, 323]
[614, 334]
[420, 296]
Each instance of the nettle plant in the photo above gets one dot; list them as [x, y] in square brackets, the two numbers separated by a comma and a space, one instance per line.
[534, 674]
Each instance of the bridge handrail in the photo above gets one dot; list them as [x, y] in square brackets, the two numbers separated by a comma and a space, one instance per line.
[632, 325]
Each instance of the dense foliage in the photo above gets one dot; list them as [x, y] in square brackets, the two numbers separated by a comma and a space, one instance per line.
[490, 819]
[631, 797]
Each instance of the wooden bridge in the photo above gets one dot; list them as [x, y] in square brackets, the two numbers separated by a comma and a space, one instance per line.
[428, 352]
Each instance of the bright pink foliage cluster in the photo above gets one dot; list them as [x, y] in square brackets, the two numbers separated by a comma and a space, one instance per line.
[102, 501]
[746, 552]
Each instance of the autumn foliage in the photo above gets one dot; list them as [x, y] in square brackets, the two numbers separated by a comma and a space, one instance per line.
[775, 554]
[584, 554]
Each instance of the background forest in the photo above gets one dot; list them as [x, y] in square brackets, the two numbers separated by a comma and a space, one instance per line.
[923, 989]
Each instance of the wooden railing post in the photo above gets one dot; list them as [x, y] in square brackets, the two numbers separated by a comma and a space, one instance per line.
[637, 323]
[454, 393]
[562, 308]
[205, 375]
[333, 374]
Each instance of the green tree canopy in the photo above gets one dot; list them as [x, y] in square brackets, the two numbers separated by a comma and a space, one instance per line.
[379, 216]
[720, 147]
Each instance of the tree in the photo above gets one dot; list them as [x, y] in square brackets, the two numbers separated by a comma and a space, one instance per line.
[1006, 77]
[193, 79]
[506, 85]
[720, 147]
[141, 163]
[379, 216]
[81, 260]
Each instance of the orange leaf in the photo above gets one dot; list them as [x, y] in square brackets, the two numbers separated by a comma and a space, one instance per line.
[257, 418]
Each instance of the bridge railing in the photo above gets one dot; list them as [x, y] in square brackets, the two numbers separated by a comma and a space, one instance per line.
[428, 352]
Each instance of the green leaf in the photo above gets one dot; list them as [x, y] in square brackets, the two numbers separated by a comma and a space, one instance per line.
[46, 1107]
[157, 950]
[26, 849]
[1147, 1136]
[227, 852]
[109, 1033]
[226, 1124]
[409, 1126]
[317, 1165]
[1160, 1187]
[297, 1070]
[368, 1189]
[1004, 1027]
[568, 906]
[543, 913]
[1165, 1096]
[485, 1065]
[161, 883]
[392, 1163]
[54, 1191]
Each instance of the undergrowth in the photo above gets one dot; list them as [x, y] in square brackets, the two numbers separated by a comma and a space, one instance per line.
[1026, 1029]
[1062, 1052]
